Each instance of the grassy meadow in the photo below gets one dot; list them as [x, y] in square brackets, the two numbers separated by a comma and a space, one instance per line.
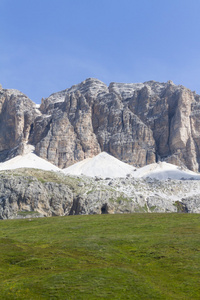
[128, 256]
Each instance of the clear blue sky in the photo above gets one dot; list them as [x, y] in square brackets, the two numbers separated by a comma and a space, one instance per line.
[49, 45]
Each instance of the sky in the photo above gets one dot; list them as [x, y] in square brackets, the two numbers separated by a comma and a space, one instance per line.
[49, 45]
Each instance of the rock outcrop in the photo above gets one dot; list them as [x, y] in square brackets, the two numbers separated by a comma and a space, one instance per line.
[137, 123]
[34, 193]
[20, 196]
[17, 114]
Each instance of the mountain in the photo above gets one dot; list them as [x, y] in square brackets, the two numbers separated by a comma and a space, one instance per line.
[120, 148]
[138, 124]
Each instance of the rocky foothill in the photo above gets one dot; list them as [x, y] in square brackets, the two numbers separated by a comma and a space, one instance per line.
[26, 193]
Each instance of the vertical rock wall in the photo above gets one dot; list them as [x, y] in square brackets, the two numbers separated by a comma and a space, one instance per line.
[137, 123]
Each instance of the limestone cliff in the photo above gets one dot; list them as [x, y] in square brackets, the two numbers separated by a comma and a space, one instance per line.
[137, 123]
[17, 114]
[26, 193]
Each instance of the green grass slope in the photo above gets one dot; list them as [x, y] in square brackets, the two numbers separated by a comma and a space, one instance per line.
[133, 256]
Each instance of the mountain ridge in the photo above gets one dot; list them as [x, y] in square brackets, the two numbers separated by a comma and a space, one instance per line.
[138, 123]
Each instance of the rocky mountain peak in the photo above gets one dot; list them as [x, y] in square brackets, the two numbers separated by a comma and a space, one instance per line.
[125, 90]
[170, 82]
[138, 123]
[90, 86]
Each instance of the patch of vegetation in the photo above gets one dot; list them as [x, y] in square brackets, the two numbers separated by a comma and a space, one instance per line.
[141, 209]
[90, 191]
[27, 213]
[42, 180]
[181, 208]
[152, 208]
[120, 200]
[128, 256]
[44, 176]
[30, 180]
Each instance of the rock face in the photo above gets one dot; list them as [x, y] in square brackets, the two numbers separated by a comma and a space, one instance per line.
[26, 196]
[22, 194]
[17, 114]
[137, 123]
[89, 118]
[35, 193]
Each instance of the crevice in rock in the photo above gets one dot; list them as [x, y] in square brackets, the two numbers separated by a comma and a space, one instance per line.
[30, 131]
[75, 209]
[104, 209]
